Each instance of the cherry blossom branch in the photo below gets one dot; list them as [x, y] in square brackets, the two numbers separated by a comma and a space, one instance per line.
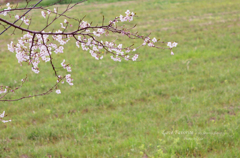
[21, 16]
[59, 15]
[37, 46]
[53, 67]
[35, 95]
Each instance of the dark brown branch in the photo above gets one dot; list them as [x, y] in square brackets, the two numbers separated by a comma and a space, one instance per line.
[50, 57]
[41, 94]
[21, 16]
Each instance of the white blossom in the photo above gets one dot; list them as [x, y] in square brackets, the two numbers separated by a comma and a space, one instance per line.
[43, 14]
[171, 45]
[58, 91]
[154, 40]
[2, 116]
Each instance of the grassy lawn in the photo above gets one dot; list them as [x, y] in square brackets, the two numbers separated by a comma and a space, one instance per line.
[186, 105]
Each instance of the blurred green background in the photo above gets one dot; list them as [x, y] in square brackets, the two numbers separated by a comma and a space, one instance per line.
[186, 105]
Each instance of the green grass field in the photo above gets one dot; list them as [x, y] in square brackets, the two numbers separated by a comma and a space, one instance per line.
[186, 105]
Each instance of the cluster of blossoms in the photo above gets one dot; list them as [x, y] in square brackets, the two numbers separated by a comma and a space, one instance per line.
[5, 11]
[66, 66]
[62, 25]
[24, 19]
[94, 46]
[149, 42]
[44, 14]
[36, 46]
[2, 116]
[3, 91]
[41, 48]
[129, 16]
[171, 45]
[69, 79]
[135, 57]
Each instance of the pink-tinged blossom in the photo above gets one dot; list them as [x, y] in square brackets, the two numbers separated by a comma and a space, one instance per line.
[62, 26]
[154, 40]
[5, 121]
[150, 44]
[171, 45]
[69, 79]
[135, 57]
[59, 50]
[127, 12]
[111, 44]
[127, 57]
[5, 11]
[58, 91]
[2, 116]
[121, 18]
[120, 46]
[43, 14]
[77, 44]
[111, 22]
[63, 65]
[66, 67]
[10, 47]
[60, 39]
[172, 53]
[174, 44]
[147, 40]
[65, 21]
[84, 24]
[35, 70]
[128, 17]
[26, 21]
[101, 31]
[49, 11]
[96, 34]
[69, 69]
[128, 50]
[116, 59]
[17, 16]
[1, 91]
[100, 47]
[95, 48]
[55, 10]
[23, 18]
